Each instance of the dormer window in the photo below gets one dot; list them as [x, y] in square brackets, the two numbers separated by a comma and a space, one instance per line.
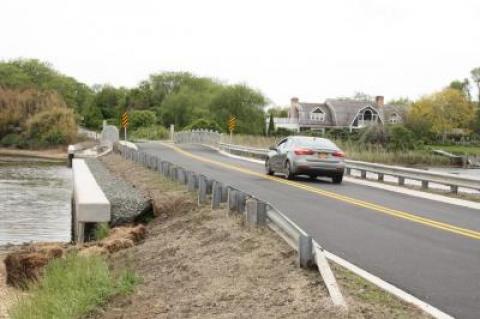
[317, 115]
[394, 118]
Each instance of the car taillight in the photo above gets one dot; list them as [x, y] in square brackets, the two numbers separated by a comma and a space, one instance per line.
[338, 154]
[303, 151]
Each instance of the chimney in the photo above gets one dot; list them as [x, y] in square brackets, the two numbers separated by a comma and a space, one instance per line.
[293, 112]
[379, 101]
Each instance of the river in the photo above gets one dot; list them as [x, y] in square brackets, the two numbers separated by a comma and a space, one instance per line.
[34, 201]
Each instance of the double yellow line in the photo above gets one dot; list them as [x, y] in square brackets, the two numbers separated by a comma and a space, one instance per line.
[378, 208]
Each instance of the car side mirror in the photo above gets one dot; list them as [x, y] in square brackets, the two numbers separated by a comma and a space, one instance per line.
[273, 148]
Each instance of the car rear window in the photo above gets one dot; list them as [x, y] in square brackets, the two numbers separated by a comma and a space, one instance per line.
[316, 143]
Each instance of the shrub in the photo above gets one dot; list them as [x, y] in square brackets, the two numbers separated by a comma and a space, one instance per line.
[12, 139]
[154, 132]
[204, 124]
[139, 119]
[401, 138]
[52, 127]
[375, 134]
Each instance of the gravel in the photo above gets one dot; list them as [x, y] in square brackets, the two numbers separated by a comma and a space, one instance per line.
[126, 201]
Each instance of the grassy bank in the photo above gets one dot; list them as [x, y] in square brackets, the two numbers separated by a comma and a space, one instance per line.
[355, 151]
[72, 287]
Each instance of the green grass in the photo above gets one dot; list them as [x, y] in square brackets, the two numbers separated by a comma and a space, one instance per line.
[71, 288]
[458, 149]
[101, 231]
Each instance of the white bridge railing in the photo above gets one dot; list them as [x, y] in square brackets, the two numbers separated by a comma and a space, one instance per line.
[400, 173]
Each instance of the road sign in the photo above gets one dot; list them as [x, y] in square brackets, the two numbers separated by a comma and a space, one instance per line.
[232, 123]
[124, 120]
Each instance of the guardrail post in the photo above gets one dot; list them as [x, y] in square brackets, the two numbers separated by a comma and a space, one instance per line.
[191, 181]
[202, 189]
[255, 212]
[216, 195]
[241, 199]
[424, 184]
[181, 176]
[380, 177]
[209, 186]
[224, 193]
[232, 199]
[172, 172]
[401, 180]
[363, 174]
[348, 171]
[305, 245]
[454, 189]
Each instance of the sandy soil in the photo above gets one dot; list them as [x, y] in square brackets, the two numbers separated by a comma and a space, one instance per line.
[52, 154]
[199, 263]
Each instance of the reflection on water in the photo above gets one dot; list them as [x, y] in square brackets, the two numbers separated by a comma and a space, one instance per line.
[34, 202]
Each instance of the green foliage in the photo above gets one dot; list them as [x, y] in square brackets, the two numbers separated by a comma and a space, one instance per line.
[401, 138]
[52, 127]
[278, 111]
[204, 124]
[374, 134]
[72, 287]
[101, 231]
[92, 117]
[283, 132]
[441, 113]
[137, 119]
[24, 74]
[154, 132]
[243, 103]
[110, 101]
[12, 139]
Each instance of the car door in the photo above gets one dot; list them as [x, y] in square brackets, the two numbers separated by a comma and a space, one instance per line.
[276, 161]
[283, 152]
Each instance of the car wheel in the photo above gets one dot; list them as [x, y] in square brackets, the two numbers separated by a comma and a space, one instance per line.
[268, 169]
[337, 179]
[313, 177]
[288, 171]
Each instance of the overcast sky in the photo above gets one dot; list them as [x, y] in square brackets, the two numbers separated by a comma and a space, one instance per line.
[310, 49]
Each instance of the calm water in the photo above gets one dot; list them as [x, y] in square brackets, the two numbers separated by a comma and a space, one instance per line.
[34, 202]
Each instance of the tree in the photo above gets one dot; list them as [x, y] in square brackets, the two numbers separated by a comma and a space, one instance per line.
[278, 111]
[243, 103]
[271, 126]
[442, 112]
[476, 79]
[139, 119]
[462, 86]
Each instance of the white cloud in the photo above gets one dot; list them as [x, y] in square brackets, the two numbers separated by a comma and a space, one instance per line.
[311, 49]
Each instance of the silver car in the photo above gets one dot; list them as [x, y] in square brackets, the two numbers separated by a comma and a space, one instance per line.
[304, 155]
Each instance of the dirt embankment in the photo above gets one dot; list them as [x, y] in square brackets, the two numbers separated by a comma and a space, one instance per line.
[199, 263]
[57, 154]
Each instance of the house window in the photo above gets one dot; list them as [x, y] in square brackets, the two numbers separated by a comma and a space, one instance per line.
[394, 118]
[317, 115]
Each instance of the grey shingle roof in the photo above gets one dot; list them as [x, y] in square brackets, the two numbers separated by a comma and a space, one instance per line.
[346, 110]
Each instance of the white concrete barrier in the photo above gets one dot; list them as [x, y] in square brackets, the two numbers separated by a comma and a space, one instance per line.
[90, 205]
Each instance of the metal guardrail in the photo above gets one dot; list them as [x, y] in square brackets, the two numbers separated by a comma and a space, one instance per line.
[401, 173]
[256, 211]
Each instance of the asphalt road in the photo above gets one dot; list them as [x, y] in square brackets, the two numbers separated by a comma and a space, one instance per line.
[427, 248]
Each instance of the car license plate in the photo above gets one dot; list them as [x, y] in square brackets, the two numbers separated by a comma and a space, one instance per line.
[322, 155]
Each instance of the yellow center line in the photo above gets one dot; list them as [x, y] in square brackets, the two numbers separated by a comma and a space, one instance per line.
[357, 202]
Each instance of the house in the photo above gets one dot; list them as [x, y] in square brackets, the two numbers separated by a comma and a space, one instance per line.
[339, 113]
